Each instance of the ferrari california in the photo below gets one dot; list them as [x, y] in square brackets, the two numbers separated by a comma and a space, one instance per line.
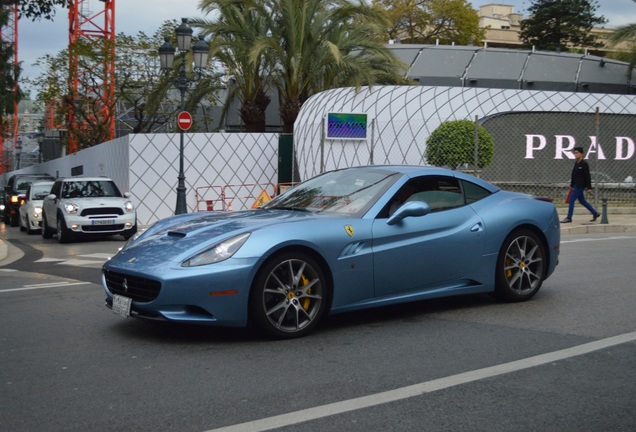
[345, 240]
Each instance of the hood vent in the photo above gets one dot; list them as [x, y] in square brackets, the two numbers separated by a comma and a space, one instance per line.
[178, 234]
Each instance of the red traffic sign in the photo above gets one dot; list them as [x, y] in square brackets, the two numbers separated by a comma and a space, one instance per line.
[184, 120]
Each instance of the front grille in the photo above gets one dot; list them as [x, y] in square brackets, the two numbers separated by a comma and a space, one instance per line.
[139, 289]
[102, 211]
[102, 228]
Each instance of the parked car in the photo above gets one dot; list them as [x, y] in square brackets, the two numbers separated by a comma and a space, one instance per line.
[31, 209]
[14, 195]
[83, 206]
[346, 240]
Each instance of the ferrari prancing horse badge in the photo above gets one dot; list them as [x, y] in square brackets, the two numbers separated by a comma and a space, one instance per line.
[349, 230]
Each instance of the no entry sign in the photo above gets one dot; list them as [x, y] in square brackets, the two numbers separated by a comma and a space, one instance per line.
[184, 120]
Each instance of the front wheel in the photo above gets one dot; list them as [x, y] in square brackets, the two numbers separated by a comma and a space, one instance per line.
[289, 296]
[47, 233]
[63, 234]
[521, 266]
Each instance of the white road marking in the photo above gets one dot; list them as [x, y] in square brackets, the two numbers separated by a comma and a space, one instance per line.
[597, 239]
[318, 412]
[44, 286]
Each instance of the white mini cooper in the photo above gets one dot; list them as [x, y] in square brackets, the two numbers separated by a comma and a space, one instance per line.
[82, 206]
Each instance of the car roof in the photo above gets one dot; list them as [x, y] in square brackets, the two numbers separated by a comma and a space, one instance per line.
[70, 179]
[416, 170]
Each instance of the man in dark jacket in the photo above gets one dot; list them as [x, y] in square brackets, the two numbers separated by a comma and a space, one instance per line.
[580, 181]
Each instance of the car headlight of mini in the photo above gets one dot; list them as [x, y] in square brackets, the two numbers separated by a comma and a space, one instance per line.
[218, 252]
[128, 206]
[71, 208]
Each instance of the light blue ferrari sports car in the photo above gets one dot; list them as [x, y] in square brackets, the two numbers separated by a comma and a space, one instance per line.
[345, 240]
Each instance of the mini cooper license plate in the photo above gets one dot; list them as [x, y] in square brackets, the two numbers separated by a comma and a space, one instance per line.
[103, 222]
[121, 305]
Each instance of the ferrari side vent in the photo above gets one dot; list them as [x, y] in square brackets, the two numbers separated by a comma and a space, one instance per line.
[351, 249]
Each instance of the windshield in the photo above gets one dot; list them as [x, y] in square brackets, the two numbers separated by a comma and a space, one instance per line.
[89, 189]
[40, 191]
[347, 192]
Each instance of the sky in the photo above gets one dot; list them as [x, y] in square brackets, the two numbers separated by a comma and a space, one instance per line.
[39, 38]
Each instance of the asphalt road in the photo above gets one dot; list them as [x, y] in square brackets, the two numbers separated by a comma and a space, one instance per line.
[564, 361]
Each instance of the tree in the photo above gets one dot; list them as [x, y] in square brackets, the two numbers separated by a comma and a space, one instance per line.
[429, 21]
[142, 91]
[452, 145]
[316, 45]
[626, 34]
[559, 24]
[234, 33]
[10, 92]
[297, 48]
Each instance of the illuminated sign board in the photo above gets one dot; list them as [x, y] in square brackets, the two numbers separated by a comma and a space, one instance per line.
[347, 126]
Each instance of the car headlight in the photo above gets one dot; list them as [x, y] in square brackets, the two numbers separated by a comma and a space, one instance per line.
[37, 210]
[128, 206]
[15, 199]
[71, 208]
[218, 252]
[1, 207]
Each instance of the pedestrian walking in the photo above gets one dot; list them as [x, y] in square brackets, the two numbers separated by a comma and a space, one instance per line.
[580, 181]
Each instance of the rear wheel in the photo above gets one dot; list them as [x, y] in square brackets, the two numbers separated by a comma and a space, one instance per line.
[288, 298]
[47, 232]
[521, 266]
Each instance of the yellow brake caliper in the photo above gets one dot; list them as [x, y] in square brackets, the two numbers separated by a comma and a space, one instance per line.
[509, 271]
[306, 301]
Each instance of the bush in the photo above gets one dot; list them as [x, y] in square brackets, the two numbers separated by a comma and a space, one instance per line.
[452, 145]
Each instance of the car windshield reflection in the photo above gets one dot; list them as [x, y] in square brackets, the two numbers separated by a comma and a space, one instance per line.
[345, 192]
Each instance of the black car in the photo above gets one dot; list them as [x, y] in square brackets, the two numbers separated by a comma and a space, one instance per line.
[15, 191]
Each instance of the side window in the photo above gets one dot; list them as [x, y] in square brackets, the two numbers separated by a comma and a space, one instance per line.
[473, 192]
[57, 189]
[439, 192]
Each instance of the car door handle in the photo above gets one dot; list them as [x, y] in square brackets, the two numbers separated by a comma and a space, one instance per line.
[477, 227]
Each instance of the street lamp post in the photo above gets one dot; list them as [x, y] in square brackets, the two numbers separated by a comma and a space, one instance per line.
[200, 52]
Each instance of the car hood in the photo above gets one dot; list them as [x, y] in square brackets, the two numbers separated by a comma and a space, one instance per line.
[96, 201]
[178, 237]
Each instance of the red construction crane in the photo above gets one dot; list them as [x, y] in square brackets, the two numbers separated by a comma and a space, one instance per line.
[9, 124]
[97, 28]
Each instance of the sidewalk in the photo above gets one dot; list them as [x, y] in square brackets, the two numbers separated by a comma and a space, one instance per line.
[619, 220]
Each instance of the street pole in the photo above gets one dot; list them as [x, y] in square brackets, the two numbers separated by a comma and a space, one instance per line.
[182, 86]
[200, 53]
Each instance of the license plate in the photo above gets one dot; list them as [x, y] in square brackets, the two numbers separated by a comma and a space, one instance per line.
[121, 305]
[104, 222]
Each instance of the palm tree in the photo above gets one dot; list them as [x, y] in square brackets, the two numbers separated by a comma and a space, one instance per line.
[626, 34]
[234, 33]
[321, 44]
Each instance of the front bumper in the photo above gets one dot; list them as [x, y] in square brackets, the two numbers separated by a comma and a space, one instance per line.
[101, 225]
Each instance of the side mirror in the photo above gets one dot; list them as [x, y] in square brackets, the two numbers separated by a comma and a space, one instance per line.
[409, 209]
[51, 196]
[127, 195]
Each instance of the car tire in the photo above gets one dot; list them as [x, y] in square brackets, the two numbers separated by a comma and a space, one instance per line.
[131, 232]
[28, 227]
[63, 233]
[289, 296]
[47, 232]
[521, 266]
[15, 220]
